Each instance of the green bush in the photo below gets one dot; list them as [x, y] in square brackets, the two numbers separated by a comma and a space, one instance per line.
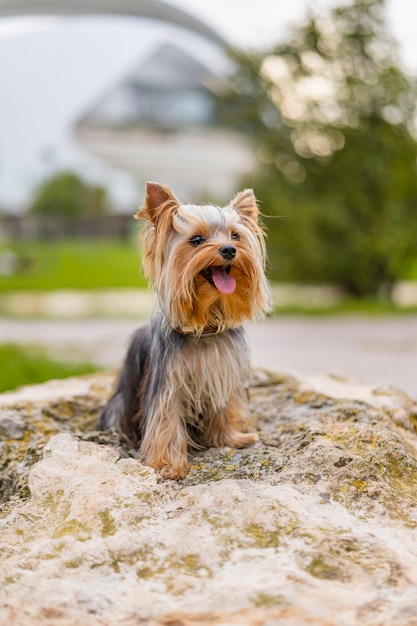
[353, 224]
[67, 195]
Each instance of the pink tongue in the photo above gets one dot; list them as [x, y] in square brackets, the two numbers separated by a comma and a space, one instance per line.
[223, 281]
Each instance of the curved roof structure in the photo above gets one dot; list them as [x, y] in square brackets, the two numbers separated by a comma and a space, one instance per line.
[153, 9]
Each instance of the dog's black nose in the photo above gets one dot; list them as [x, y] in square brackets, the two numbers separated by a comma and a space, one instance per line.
[228, 252]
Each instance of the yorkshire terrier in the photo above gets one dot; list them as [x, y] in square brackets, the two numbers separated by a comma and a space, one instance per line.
[184, 380]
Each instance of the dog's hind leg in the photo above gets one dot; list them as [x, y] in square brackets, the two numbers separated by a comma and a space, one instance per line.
[224, 427]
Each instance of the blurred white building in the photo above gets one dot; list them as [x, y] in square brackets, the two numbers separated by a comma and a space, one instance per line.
[169, 121]
[161, 72]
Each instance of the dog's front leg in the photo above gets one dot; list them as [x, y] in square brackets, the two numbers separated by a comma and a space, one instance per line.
[164, 443]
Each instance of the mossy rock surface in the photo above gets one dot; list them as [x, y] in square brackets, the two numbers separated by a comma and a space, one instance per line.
[315, 524]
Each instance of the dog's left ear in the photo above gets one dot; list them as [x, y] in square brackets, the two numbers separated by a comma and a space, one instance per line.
[245, 204]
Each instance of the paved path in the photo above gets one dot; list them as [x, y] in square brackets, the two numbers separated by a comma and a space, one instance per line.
[374, 350]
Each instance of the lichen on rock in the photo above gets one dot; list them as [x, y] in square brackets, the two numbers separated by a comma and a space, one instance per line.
[315, 524]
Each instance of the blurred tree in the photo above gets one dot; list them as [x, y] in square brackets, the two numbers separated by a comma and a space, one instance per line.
[332, 115]
[66, 195]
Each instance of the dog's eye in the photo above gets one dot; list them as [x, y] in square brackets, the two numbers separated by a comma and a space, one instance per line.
[236, 236]
[197, 240]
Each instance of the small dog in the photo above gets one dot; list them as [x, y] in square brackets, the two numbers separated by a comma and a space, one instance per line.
[184, 380]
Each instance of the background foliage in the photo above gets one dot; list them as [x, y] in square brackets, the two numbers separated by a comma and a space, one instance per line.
[331, 114]
[67, 195]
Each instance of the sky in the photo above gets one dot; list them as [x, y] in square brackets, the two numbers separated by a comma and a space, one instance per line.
[52, 70]
[246, 25]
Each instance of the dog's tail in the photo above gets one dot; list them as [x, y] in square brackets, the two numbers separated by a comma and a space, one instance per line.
[111, 415]
[123, 409]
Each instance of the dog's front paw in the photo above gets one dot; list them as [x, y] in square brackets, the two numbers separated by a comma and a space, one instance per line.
[170, 471]
[241, 440]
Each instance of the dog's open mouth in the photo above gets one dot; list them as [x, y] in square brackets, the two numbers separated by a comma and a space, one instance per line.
[220, 278]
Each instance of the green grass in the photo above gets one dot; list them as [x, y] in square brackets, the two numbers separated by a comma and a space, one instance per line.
[30, 365]
[69, 264]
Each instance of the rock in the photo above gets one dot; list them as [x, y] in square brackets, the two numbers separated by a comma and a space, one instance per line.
[11, 424]
[70, 405]
[313, 525]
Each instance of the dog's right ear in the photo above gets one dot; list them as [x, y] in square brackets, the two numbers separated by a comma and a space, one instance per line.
[159, 201]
